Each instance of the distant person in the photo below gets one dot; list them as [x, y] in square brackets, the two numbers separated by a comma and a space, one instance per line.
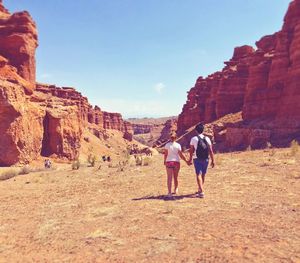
[200, 150]
[104, 158]
[172, 155]
[47, 164]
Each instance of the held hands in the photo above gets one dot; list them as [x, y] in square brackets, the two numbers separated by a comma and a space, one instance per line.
[189, 162]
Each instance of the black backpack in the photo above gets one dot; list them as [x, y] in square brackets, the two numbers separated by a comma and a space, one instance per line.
[202, 149]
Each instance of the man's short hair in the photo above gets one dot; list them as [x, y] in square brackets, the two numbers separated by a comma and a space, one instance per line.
[199, 128]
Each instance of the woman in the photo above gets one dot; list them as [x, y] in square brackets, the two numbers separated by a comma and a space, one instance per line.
[172, 162]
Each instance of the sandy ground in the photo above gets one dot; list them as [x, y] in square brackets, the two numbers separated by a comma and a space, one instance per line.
[251, 213]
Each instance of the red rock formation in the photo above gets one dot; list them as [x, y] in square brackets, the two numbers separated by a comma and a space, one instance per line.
[68, 113]
[275, 94]
[219, 94]
[263, 83]
[169, 126]
[20, 125]
[18, 41]
[37, 119]
[142, 128]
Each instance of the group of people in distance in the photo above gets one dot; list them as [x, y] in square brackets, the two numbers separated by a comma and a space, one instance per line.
[199, 152]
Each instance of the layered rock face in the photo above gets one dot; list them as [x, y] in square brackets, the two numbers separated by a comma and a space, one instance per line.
[264, 84]
[219, 94]
[18, 42]
[142, 128]
[38, 119]
[21, 125]
[153, 131]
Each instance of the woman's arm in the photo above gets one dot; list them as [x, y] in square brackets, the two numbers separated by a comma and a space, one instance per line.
[182, 156]
[165, 155]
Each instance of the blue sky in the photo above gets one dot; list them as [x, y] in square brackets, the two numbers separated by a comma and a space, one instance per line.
[140, 57]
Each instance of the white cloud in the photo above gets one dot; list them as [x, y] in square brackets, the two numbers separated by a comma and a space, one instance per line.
[159, 87]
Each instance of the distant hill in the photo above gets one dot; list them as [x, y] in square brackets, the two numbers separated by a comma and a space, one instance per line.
[151, 121]
[150, 131]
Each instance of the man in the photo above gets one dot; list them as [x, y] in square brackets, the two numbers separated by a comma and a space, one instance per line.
[200, 150]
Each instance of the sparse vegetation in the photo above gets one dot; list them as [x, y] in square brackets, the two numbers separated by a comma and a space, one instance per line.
[139, 160]
[25, 170]
[271, 149]
[147, 161]
[122, 166]
[91, 159]
[8, 174]
[248, 149]
[294, 148]
[76, 164]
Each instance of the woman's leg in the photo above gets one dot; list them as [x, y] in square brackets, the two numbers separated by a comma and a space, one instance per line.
[169, 179]
[176, 173]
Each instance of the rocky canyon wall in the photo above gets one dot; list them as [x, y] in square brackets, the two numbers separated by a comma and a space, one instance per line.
[40, 119]
[263, 83]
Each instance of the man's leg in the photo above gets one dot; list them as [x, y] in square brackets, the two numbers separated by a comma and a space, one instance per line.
[204, 165]
[198, 171]
[200, 183]
[203, 178]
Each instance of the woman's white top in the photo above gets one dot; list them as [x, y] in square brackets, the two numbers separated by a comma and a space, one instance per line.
[173, 149]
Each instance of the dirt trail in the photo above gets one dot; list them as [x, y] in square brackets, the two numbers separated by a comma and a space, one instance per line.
[251, 213]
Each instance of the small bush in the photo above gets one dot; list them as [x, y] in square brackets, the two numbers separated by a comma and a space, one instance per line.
[25, 170]
[139, 160]
[122, 166]
[91, 159]
[147, 161]
[294, 148]
[76, 165]
[8, 174]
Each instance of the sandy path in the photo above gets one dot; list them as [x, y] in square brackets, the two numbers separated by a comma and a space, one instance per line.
[250, 214]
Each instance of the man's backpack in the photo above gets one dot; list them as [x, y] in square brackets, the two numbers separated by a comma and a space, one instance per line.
[202, 149]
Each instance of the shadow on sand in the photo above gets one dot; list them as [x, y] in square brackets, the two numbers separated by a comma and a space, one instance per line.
[165, 198]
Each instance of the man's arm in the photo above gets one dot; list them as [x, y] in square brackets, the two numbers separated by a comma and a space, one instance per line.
[212, 157]
[191, 151]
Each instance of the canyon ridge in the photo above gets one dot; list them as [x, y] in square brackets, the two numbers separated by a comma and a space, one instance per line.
[253, 101]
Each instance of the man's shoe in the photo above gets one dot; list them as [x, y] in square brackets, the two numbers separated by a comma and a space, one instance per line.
[201, 195]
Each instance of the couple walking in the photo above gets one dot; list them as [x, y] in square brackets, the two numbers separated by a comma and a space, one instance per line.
[199, 152]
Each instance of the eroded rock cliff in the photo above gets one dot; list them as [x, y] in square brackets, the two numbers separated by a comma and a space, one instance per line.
[40, 119]
[263, 83]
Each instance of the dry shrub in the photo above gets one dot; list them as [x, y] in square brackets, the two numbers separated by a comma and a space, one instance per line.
[8, 174]
[76, 164]
[91, 159]
[294, 148]
[271, 150]
[25, 170]
[122, 166]
[139, 160]
[147, 161]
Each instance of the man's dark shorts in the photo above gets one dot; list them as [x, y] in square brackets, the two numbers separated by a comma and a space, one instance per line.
[200, 166]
